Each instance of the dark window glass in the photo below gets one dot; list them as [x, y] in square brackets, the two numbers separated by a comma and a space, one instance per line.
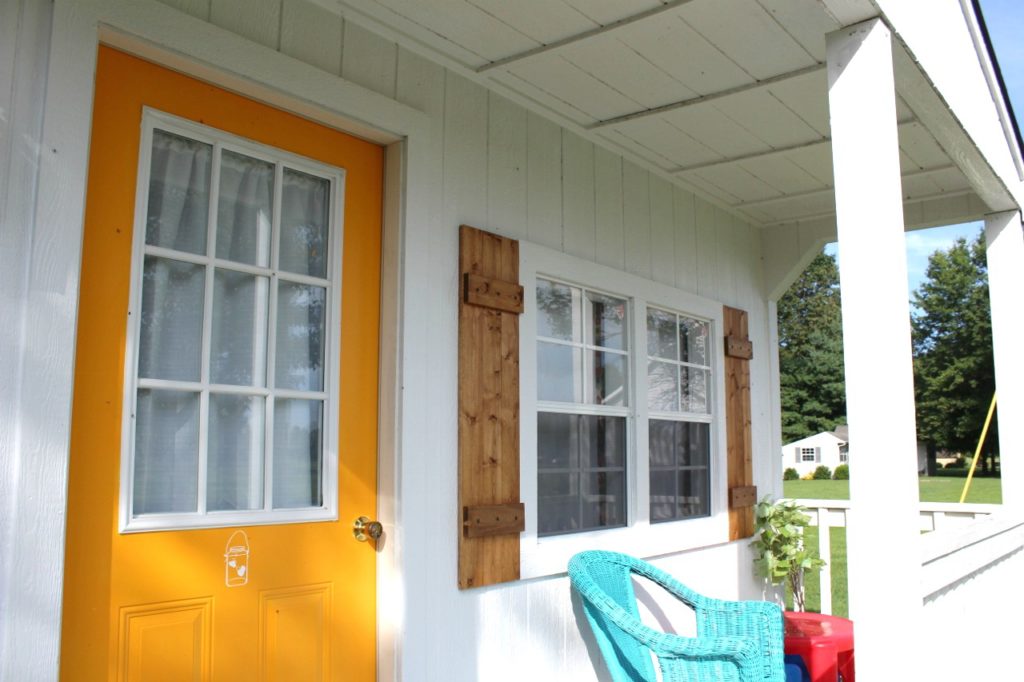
[679, 456]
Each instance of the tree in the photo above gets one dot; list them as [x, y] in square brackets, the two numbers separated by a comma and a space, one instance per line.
[954, 376]
[813, 388]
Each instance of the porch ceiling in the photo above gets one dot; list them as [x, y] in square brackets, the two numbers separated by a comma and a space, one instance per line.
[726, 97]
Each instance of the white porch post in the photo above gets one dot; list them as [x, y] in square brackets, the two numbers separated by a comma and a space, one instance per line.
[1005, 250]
[883, 558]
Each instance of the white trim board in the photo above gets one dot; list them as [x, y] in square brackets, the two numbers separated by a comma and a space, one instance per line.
[162, 35]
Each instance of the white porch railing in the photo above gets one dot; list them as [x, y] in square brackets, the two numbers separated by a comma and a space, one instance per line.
[828, 514]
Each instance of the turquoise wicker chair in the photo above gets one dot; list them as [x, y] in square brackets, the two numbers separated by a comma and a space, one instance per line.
[739, 641]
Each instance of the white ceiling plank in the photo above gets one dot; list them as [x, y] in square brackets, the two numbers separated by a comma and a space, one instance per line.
[464, 25]
[606, 12]
[621, 67]
[742, 184]
[681, 51]
[800, 207]
[750, 37]
[630, 146]
[563, 79]
[921, 147]
[783, 175]
[670, 143]
[808, 97]
[543, 20]
[816, 160]
[950, 179]
[768, 119]
[550, 103]
[653, 14]
[804, 21]
[920, 186]
[694, 101]
[720, 133]
[712, 190]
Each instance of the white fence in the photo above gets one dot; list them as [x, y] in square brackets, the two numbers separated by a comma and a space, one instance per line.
[828, 514]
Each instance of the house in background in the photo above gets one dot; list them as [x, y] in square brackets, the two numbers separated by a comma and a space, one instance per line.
[829, 448]
[242, 323]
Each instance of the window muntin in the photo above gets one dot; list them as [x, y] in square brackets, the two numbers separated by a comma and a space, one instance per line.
[808, 454]
[679, 445]
[238, 280]
[582, 392]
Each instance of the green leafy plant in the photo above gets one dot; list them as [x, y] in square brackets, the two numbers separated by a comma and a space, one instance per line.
[822, 473]
[779, 541]
[790, 474]
[842, 473]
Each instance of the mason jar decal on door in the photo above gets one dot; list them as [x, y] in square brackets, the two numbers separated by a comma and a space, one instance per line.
[236, 560]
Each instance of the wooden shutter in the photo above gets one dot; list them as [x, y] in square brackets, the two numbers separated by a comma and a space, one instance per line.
[739, 445]
[490, 512]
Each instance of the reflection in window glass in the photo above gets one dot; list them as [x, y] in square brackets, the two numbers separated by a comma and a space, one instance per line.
[679, 457]
[581, 472]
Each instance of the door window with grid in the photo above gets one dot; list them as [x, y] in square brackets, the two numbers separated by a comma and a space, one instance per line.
[236, 289]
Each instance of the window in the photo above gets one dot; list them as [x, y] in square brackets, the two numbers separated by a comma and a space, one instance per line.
[678, 382]
[620, 402]
[844, 454]
[808, 454]
[230, 376]
[582, 394]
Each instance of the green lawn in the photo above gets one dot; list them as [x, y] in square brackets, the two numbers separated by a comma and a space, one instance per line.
[932, 489]
[983, 490]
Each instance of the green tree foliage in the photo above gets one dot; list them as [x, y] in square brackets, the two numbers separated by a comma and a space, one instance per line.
[952, 331]
[811, 352]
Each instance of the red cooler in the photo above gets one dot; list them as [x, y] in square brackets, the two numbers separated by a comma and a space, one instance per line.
[824, 642]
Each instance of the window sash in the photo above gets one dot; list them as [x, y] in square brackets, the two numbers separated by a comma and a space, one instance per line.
[265, 337]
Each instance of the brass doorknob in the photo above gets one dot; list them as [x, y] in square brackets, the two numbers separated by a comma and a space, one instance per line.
[364, 529]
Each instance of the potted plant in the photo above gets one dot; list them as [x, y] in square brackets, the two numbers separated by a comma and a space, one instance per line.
[779, 541]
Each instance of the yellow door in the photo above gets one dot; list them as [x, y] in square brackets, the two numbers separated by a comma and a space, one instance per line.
[185, 560]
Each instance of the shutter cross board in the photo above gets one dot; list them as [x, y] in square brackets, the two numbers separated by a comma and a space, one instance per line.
[739, 444]
[490, 513]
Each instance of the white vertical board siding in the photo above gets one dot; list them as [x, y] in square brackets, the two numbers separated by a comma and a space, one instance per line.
[38, 302]
[578, 231]
[504, 169]
[311, 34]
[257, 20]
[636, 211]
[610, 232]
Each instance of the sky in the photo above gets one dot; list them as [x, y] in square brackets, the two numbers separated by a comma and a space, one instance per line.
[1005, 22]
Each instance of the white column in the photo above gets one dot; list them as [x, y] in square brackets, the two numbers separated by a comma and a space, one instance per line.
[1005, 250]
[884, 562]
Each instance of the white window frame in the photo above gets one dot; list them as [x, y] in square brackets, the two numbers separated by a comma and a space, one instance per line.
[542, 556]
[328, 510]
[813, 452]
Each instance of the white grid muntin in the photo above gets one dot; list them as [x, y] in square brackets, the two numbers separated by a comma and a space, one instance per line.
[328, 398]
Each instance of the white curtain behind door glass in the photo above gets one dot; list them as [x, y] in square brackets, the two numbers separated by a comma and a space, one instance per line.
[166, 422]
[173, 298]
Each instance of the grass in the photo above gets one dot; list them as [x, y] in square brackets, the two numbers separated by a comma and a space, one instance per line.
[932, 489]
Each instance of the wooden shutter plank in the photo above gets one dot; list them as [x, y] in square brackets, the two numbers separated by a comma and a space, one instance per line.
[739, 439]
[488, 410]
